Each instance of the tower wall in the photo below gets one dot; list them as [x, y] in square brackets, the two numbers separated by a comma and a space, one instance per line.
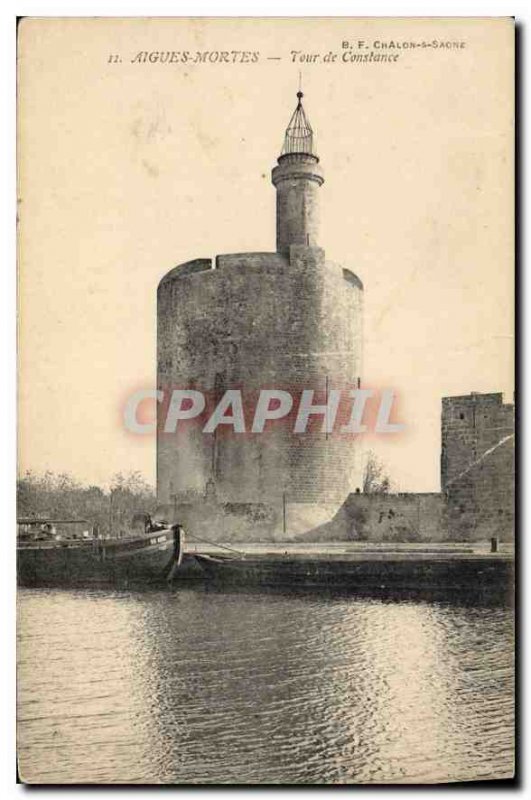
[477, 465]
[297, 179]
[289, 321]
[259, 320]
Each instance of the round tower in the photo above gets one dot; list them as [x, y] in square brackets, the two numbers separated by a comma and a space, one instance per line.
[297, 178]
[289, 320]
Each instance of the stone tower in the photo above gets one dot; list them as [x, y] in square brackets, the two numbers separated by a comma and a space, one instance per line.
[288, 320]
[477, 465]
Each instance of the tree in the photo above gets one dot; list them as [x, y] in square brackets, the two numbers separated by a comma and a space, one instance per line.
[375, 478]
[130, 492]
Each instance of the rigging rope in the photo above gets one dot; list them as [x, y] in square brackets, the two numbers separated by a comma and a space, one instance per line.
[216, 544]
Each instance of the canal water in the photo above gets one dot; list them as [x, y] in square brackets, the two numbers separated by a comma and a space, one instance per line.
[198, 686]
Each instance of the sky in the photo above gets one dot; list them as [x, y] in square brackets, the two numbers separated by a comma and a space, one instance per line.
[129, 167]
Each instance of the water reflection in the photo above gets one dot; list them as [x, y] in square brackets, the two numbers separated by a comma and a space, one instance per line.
[211, 687]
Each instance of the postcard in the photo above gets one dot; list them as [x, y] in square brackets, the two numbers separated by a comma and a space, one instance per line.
[266, 400]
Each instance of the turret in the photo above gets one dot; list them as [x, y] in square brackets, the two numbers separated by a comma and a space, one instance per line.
[297, 178]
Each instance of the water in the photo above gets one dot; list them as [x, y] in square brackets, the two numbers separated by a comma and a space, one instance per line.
[204, 687]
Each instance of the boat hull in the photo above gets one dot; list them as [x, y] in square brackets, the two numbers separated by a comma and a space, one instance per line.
[146, 559]
[384, 573]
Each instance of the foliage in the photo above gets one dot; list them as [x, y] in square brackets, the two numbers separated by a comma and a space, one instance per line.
[61, 496]
[375, 478]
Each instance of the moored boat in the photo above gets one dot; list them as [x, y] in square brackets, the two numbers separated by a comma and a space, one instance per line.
[455, 568]
[148, 553]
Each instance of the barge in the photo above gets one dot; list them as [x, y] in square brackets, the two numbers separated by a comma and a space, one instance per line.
[148, 553]
[366, 568]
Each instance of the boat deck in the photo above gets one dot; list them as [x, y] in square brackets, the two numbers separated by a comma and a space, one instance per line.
[353, 551]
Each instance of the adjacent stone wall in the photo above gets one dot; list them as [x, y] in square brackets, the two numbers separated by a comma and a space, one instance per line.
[477, 466]
[259, 320]
[477, 477]
[245, 522]
[403, 517]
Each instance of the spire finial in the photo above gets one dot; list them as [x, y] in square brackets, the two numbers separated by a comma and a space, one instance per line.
[299, 93]
[299, 134]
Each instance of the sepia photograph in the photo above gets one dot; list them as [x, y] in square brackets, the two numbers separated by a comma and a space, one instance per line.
[266, 401]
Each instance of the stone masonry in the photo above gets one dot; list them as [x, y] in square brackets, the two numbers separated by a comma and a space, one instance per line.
[477, 481]
[292, 320]
[477, 465]
[288, 320]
